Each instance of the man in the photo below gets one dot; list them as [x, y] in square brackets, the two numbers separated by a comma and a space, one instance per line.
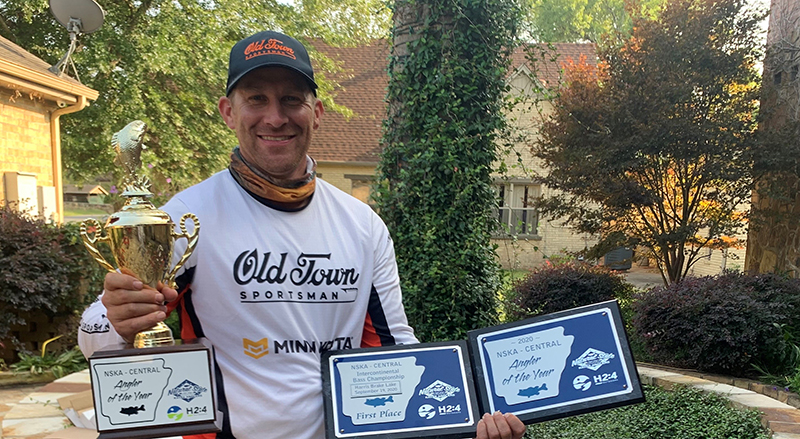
[286, 265]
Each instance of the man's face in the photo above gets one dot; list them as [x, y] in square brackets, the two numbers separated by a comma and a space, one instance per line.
[274, 114]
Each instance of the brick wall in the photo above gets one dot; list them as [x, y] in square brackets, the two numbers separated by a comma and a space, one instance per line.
[25, 137]
[554, 240]
[553, 237]
[712, 263]
[342, 175]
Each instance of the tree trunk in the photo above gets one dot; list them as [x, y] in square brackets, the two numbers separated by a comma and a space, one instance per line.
[773, 240]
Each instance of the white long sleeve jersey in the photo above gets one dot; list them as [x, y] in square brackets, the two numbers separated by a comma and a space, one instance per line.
[272, 290]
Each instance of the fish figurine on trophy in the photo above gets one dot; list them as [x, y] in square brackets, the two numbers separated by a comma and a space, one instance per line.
[154, 387]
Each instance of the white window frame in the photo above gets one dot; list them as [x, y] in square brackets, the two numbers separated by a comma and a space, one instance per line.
[515, 211]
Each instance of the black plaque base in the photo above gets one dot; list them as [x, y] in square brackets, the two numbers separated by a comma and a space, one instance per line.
[155, 392]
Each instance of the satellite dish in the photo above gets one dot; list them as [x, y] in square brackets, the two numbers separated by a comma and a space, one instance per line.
[79, 17]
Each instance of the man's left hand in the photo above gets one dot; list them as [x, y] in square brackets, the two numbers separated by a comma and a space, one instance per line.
[500, 426]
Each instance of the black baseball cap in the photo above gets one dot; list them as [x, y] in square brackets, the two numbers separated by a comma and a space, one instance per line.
[268, 49]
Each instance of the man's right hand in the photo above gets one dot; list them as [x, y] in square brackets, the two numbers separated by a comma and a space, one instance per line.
[131, 306]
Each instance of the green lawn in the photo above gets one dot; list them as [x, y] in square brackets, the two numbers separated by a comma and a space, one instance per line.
[72, 211]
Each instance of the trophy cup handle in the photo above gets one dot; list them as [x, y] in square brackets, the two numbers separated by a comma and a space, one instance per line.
[89, 234]
[192, 238]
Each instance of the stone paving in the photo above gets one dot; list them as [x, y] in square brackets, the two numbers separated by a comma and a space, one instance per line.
[11, 396]
[35, 413]
[643, 277]
[32, 412]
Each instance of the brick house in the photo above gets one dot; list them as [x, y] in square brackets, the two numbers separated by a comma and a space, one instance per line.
[32, 100]
[84, 194]
[347, 150]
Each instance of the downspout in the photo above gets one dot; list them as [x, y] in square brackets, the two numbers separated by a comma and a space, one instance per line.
[55, 146]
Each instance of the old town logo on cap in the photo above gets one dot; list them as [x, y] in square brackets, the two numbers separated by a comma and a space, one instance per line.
[268, 47]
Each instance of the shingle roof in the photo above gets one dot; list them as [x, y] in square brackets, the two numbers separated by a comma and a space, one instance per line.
[32, 72]
[17, 55]
[549, 72]
[85, 189]
[363, 90]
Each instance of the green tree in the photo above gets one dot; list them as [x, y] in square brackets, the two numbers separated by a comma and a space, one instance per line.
[568, 21]
[165, 62]
[654, 146]
[446, 89]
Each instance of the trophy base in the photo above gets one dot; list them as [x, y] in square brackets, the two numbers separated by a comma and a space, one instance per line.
[158, 335]
[156, 391]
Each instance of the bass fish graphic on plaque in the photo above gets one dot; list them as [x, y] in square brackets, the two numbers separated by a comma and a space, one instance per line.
[132, 410]
[532, 391]
[377, 402]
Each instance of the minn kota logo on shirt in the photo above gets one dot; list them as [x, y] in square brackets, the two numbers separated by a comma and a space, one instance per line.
[309, 279]
[258, 349]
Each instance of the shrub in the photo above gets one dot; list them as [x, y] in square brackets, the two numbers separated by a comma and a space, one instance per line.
[43, 269]
[71, 360]
[721, 324]
[552, 288]
[683, 413]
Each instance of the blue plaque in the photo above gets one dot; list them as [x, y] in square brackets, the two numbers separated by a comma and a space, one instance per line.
[557, 365]
[411, 391]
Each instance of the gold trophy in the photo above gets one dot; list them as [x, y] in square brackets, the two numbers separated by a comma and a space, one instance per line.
[155, 387]
[141, 237]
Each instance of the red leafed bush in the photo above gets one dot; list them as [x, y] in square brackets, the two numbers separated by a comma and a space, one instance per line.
[43, 269]
[723, 324]
[552, 288]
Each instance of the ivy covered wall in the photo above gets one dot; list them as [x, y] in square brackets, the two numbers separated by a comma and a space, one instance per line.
[445, 117]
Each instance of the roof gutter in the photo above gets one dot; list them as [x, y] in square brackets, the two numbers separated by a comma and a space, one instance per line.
[55, 147]
[47, 84]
